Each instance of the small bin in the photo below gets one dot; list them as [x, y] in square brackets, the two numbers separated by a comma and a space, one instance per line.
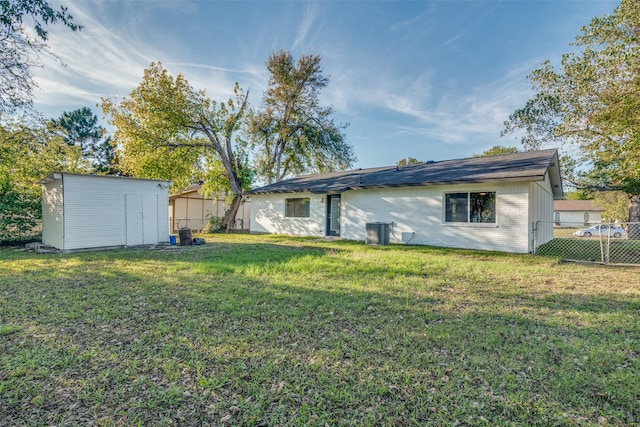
[172, 240]
[186, 239]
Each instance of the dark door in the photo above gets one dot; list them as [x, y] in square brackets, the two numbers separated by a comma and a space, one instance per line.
[333, 215]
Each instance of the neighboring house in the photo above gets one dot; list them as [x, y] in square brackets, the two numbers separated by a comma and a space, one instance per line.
[90, 211]
[575, 213]
[189, 208]
[490, 203]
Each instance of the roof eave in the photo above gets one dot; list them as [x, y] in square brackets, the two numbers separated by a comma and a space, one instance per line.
[527, 178]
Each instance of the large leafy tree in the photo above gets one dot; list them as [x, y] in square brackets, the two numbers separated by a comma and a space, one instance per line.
[80, 128]
[19, 50]
[28, 152]
[497, 150]
[592, 102]
[167, 129]
[293, 133]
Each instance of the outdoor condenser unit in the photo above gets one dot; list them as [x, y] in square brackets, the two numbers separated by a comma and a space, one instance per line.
[377, 233]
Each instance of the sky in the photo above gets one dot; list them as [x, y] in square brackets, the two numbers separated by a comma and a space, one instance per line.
[433, 80]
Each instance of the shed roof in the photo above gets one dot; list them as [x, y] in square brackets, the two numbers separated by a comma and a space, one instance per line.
[59, 175]
[194, 188]
[527, 166]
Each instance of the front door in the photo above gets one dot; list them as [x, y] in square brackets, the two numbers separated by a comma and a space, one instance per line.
[333, 215]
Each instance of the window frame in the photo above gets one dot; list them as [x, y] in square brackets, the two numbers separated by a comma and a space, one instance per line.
[468, 222]
[304, 207]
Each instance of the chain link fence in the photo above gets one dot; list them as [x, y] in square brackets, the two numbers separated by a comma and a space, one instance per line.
[603, 243]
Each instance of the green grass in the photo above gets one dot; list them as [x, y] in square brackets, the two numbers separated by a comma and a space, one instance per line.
[268, 330]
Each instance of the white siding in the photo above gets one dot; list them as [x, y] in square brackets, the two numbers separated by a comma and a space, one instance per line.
[541, 211]
[94, 210]
[267, 215]
[418, 211]
[576, 218]
[52, 214]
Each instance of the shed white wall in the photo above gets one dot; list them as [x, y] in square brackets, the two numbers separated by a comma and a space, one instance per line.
[52, 214]
[415, 210]
[95, 210]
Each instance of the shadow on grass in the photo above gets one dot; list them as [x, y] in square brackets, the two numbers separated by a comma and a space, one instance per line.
[279, 335]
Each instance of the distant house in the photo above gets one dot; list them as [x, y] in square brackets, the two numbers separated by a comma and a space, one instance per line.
[490, 203]
[189, 208]
[88, 211]
[574, 213]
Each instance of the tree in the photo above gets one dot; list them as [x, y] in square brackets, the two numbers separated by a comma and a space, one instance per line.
[80, 128]
[167, 129]
[593, 103]
[615, 204]
[19, 198]
[581, 194]
[497, 150]
[408, 161]
[293, 133]
[17, 47]
[28, 153]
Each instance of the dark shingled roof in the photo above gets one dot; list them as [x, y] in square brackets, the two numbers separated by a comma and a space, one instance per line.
[527, 166]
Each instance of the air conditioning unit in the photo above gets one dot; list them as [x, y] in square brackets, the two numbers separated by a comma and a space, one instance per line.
[377, 233]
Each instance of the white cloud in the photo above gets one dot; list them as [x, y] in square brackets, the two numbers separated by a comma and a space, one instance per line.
[98, 62]
[307, 22]
[104, 60]
[421, 107]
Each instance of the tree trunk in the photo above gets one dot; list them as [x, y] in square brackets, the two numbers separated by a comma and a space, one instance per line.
[230, 214]
[634, 217]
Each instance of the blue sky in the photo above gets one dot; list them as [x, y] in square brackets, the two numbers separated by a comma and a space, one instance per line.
[433, 80]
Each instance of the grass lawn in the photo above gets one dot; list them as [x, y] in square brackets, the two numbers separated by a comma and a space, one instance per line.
[276, 331]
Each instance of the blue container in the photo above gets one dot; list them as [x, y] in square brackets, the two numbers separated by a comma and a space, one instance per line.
[172, 240]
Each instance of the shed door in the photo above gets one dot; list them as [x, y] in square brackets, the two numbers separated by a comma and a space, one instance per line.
[142, 219]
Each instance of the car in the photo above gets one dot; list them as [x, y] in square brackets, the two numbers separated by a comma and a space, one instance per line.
[601, 230]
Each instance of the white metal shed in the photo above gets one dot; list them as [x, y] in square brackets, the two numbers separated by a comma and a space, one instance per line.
[98, 211]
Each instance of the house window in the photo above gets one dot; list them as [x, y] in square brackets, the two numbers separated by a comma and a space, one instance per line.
[297, 208]
[586, 218]
[470, 207]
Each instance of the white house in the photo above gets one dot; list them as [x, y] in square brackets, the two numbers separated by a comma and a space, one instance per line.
[489, 203]
[189, 208]
[90, 211]
[575, 213]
